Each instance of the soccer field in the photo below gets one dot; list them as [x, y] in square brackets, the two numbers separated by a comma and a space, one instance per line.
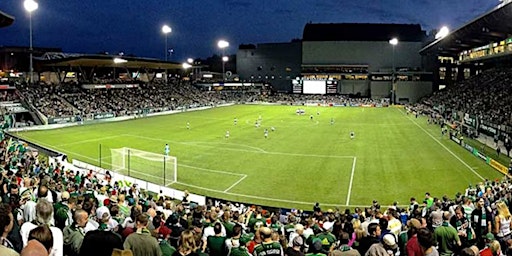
[393, 156]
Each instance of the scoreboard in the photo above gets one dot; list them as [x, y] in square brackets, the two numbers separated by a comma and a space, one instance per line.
[305, 86]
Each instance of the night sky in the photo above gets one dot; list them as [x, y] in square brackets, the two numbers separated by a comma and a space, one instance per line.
[134, 27]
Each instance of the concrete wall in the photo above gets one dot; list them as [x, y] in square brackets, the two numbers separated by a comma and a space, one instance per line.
[269, 63]
[413, 90]
[378, 55]
[360, 87]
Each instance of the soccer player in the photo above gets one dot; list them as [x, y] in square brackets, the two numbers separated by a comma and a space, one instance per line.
[332, 121]
[235, 121]
[311, 117]
[266, 133]
[352, 135]
[167, 149]
[273, 128]
[227, 134]
[188, 126]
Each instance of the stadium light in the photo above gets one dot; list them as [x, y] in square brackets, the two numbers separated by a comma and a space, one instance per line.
[166, 30]
[186, 65]
[190, 60]
[225, 59]
[393, 42]
[223, 44]
[30, 6]
[119, 60]
[443, 32]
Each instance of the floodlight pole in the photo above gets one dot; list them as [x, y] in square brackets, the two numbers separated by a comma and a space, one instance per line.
[393, 42]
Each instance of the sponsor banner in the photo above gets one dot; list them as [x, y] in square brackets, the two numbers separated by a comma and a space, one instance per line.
[480, 155]
[501, 168]
[455, 139]
[470, 120]
[488, 129]
[468, 147]
[104, 115]
[61, 120]
[108, 86]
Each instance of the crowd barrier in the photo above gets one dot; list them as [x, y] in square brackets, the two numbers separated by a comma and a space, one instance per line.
[493, 163]
[84, 168]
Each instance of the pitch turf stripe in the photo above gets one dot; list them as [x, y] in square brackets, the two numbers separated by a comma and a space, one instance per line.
[90, 140]
[236, 183]
[211, 170]
[446, 148]
[350, 183]
[194, 143]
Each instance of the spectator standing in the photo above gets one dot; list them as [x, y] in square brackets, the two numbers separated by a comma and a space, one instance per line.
[6, 224]
[268, 247]
[446, 237]
[426, 241]
[216, 243]
[141, 243]
[74, 234]
[44, 213]
[481, 222]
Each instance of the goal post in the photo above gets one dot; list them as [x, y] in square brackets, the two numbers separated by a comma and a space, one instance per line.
[149, 166]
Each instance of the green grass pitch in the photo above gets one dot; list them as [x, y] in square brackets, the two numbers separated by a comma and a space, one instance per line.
[393, 156]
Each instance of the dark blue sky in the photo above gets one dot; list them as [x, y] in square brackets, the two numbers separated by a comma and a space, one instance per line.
[91, 26]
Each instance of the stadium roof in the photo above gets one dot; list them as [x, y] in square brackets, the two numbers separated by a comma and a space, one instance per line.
[88, 60]
[493, 26]
[362, 32]
[5, 19]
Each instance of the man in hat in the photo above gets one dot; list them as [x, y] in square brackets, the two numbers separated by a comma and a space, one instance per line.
[387, 243]
[296, 248]
[326, 237]
[412, 246]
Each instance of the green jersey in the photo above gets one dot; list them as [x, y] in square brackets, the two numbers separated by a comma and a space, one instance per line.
[268, 248]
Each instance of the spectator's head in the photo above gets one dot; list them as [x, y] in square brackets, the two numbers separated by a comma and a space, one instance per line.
[6, 219]
[266, 233]
[425, 238]
[187, 242]
[81, 218]
[217, 228]
[34, 248]
[383, 223]
[42, 234]
[44, 211]
[237, 230]
[142, 220]
[374, 230]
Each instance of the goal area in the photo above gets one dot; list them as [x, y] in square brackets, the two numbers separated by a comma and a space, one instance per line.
[156, 168]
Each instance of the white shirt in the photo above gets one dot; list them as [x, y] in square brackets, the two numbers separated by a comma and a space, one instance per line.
[58, 240]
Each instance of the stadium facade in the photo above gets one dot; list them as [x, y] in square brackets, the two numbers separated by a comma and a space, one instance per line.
[358, 57]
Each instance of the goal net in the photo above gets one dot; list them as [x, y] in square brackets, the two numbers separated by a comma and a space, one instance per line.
[152, 167]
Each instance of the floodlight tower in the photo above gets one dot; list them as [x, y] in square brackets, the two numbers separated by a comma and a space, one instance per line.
[30, 6]
[223, 44]
[166, 30]
[393, 42]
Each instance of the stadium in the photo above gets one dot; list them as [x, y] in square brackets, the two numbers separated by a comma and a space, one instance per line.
[354, 126]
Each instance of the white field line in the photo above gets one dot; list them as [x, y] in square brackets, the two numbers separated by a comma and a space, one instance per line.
[89, 140]
[267, 198]
[236, 183]
[221, 143]
[447, 149]
[351, 180]
[211, 170]
[242, 150]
